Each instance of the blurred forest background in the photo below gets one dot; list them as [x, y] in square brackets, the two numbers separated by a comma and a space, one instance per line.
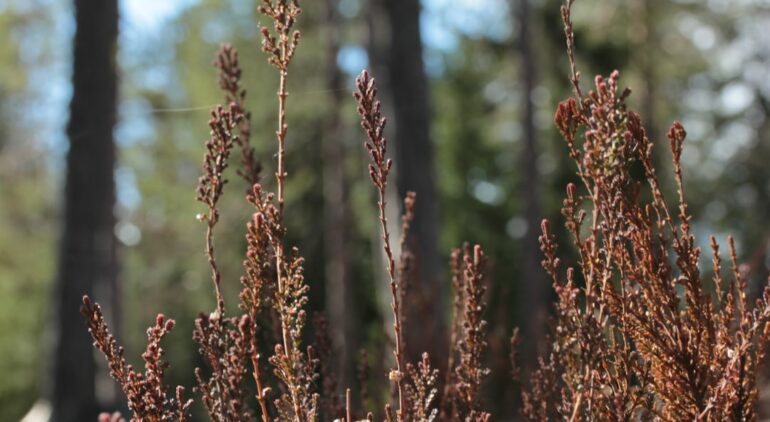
[470, 86]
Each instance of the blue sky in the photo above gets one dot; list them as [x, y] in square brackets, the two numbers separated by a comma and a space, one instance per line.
[151, 14]
[442, 20]
[441, 17]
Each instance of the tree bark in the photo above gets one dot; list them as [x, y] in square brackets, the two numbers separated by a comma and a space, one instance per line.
[532, 306]
[87, 246]
[338, 292]
[425, 327]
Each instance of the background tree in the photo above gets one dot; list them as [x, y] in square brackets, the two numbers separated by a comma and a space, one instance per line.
[415, 172]
[339, 306]
[532, 300]
[87, 259]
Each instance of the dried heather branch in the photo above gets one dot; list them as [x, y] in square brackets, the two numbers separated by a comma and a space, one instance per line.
[211, 184]
[405, 256]
[290, 364]
[146, 393]
[470, 371]
[115, 417]
[298, 375]
[514, 355]
[230, 84]
[373, 123]
[566, 15]
[280, 47]
[389, 413]
[458, 298]
[422, 390]
[226, 347]
[330, 403]
[257, 281]
[224, 343]
[293, 367]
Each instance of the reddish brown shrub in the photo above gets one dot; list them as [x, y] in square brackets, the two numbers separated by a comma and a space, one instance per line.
[637, 331]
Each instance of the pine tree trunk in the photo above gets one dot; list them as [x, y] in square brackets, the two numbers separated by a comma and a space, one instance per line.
[338, 293]
[425, 328]
[87, 245]
[532, 306]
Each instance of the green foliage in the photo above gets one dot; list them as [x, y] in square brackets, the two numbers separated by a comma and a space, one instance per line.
[27, 262]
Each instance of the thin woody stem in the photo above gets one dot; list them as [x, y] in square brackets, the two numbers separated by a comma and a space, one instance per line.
[258, 380]
[349, 417]
[280, 178]
[395, 305]
[566, 14]
[280, 47]
[374, 124]
[281, 133]
[216, 276]
[279, 247]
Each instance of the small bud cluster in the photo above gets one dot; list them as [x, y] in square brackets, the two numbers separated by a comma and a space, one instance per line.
[225, 344]
[471, 343]
[211, 184]
[370, 110]
[281, 44]
[422, 389]
[230, 84]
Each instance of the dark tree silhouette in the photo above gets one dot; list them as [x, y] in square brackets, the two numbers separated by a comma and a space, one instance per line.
[336, 212]
[415, 172]
[532, 291]
[87, 246]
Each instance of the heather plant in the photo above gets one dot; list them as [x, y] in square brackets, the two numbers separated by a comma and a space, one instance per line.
[643, 337]
[637, 332]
